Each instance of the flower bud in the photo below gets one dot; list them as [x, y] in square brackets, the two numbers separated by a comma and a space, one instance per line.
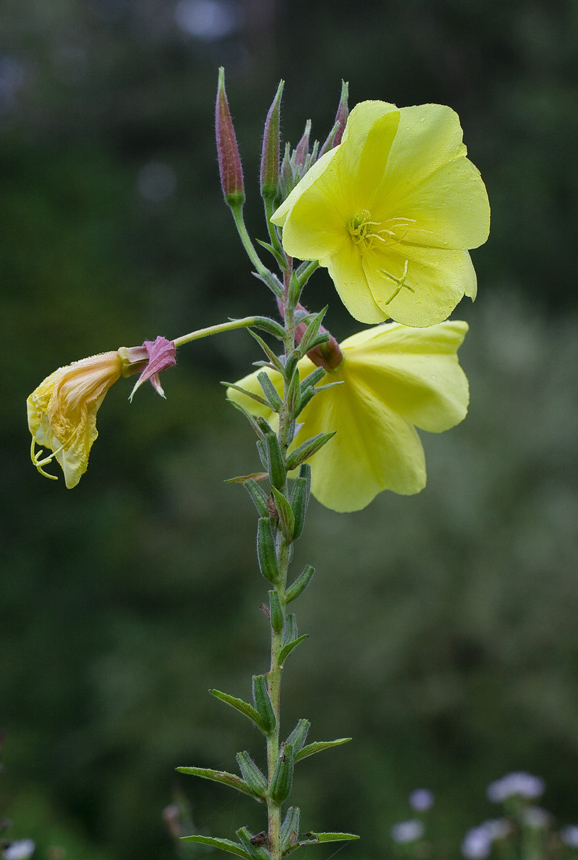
[252, 774]
[282, 779]
[263, 704]
[230, 169]
[266, 551]
[270, 152]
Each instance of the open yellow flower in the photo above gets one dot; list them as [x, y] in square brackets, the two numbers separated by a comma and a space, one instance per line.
[394, 379]
[62, 410]
[391, 212]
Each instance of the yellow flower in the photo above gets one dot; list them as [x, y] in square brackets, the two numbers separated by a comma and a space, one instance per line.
[62, 410]
[391, 213]
[394, 379]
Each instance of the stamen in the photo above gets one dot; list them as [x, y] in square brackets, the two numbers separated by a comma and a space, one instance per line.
[40, 463]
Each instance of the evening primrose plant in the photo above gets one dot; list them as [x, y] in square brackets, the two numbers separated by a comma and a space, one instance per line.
[390, 206]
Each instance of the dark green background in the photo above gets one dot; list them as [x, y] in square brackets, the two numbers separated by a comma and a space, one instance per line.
[444, 635]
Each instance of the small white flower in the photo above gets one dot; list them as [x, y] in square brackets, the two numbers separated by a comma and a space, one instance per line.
[407, 831]
[19, 850]
[569, 835]
[421, 799]
[522, 784]
[477, 843]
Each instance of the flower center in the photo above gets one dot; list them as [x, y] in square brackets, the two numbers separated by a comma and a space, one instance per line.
[366, 233]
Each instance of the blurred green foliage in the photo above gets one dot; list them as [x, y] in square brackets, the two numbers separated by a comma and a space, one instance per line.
[444, 634]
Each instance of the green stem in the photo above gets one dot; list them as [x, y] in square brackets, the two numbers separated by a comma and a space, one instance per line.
[231, 325]
[275, 673]
[263, 272]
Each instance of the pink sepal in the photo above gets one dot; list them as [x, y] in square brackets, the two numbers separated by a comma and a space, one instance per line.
[161, 353]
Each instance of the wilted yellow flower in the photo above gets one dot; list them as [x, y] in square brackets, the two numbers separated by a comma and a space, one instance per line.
[391, 212]
[394, 379]
[62, 410]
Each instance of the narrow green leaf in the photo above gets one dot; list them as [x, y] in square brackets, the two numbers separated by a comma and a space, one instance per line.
[290, 630]
[250, 418]
[315, 838]
[230, 779]
[289, 648]
[308, 449]
[270, 392]
[298, 736]
[270, 326]
[252, 774]
[300, 584]
[319, 746]
[258, 495]
[250, 394]
[274, 359]
[313, 378]
[223, 844]
[244, 707]
[290, 829]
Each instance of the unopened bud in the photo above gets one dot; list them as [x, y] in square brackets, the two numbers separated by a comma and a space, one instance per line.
[230, 169]
[336, 133]
[270, 152]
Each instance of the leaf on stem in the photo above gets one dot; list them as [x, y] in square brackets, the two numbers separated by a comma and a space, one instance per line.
[287, 649]
[300, 584]
[319, 746]
[308, 449]
[243, 707]
[250, 394]
[230, 779]
[223, 844]
[315, 838]
[274, 359]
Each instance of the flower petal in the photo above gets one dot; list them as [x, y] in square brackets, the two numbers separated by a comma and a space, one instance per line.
[415, 370]
[433, 283]
[347, 272]
[313, 217]
[450, 208]
[374, 449]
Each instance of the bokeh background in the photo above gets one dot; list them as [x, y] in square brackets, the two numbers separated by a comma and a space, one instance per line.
[445, 634]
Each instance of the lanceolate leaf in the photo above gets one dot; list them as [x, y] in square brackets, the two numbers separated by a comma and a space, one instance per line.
[230, 779]
[289, 647]
[319, 746]
[244, 707]
[223, 844]
[315, 838]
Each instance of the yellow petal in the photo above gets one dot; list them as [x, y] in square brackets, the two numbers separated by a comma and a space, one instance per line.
[431, 285]
[416, 370]
[62, 410]
[314, 216]
[392, 378]
[347, 272]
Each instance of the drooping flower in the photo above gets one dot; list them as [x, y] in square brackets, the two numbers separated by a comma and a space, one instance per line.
[393, 379]
[62, 410]
[391, 213]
